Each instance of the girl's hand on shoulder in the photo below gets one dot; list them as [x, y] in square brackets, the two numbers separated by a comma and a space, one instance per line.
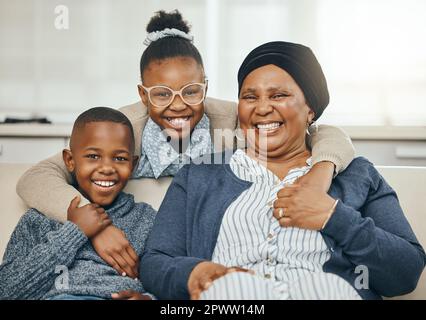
[113, 247]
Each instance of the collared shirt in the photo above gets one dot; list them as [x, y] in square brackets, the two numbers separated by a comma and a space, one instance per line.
[251, 237]
[159, 158]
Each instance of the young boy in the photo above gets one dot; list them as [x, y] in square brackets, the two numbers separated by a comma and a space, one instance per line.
[46, 259]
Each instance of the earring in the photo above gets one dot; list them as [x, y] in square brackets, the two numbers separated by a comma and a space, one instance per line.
[238, 137]
[307, 128]
[312, 125]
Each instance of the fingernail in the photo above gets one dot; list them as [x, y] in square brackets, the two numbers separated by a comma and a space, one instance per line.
[114, 295]
[124, 274]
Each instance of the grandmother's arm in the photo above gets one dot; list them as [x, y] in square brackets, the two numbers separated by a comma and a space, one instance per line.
[380, 238]
[165, 266]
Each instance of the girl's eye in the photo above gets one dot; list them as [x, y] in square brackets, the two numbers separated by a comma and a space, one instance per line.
[161, 94]
[92, 156]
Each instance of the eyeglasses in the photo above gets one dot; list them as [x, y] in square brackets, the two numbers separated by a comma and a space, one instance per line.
[162, 96]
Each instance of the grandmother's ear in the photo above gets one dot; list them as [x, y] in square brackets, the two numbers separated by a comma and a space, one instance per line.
[311, 116]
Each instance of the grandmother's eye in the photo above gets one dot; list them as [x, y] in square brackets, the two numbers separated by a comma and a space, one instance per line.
[279, 95]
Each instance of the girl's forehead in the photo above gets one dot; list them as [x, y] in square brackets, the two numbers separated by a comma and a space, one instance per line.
[174, 62]
[173, 72]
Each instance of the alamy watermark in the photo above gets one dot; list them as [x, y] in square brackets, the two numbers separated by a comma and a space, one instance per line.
[63, 280]
[62, 17]
[362, 281]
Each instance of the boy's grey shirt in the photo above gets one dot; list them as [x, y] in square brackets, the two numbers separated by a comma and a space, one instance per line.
[41, 248]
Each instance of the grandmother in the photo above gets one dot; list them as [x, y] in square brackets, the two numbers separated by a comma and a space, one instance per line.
[246, 229]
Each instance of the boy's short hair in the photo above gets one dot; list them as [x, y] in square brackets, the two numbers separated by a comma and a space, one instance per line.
[103, 114]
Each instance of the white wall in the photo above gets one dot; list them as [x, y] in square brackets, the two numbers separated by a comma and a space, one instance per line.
[372, 51]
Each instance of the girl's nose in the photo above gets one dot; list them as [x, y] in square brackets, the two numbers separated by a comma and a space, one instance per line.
[177, 104]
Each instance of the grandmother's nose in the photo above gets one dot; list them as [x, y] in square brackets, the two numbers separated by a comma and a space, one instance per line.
[263, 108]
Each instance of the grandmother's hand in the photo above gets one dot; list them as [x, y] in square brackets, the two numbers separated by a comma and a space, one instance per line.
[130, 295]
[302, 206]
[203, 275]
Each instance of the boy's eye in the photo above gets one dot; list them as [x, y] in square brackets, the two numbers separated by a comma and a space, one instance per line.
[120, 158]
[92, 156]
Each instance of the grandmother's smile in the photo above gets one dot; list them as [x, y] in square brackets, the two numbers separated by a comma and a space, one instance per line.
[268, 127]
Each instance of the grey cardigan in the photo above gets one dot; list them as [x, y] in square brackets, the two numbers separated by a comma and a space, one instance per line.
[45, 258]
[368, 228]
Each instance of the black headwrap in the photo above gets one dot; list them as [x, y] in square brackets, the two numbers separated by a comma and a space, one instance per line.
[298, 61]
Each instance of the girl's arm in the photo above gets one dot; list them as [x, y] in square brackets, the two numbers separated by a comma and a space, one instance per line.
[47, 188]
[332, 152]
[332, 144]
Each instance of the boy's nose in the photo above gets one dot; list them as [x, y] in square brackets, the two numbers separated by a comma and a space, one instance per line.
[107, 168]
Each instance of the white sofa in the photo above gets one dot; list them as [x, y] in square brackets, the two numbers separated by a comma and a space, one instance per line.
[409, 182]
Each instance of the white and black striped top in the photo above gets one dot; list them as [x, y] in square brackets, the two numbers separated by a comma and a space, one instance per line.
[252, 238]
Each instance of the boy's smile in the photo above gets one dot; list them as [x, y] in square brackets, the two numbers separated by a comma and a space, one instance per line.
[101, 159]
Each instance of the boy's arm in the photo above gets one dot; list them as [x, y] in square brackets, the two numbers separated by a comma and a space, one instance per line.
[31, 259]
[47, 188]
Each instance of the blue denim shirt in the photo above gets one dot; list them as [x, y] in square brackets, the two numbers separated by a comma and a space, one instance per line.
[159, 158]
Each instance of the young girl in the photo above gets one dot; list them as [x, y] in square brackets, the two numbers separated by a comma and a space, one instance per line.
[172, 123]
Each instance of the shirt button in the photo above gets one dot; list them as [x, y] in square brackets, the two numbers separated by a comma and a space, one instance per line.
[270, 236]
[267, 276]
